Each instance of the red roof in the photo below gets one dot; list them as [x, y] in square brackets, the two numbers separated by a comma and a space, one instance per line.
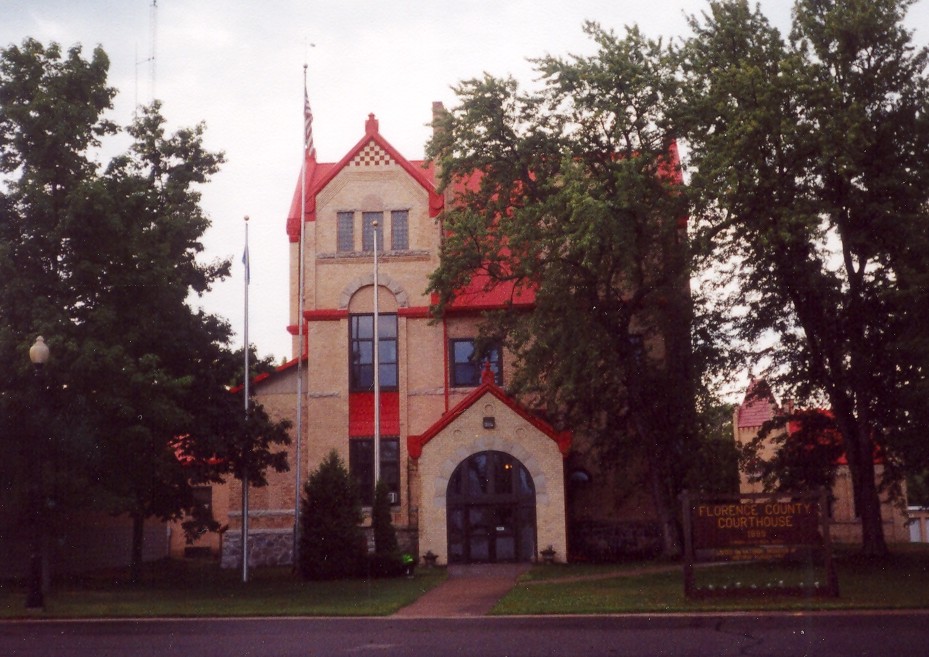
[758, 407]
[415, 444]
[267, 375]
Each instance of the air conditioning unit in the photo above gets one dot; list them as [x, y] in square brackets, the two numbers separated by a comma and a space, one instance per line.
[393, 498]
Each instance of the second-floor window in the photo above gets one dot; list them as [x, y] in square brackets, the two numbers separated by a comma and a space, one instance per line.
[367, 231]
[399, 230]
[361, 352]
[345, 232]
[466, 364]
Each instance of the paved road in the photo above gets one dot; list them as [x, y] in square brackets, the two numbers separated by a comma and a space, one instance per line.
[821, 635]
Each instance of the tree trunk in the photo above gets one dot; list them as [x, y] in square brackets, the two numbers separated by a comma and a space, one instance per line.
[138, 535]
[859, 450]
[670, 541]
[868, 502]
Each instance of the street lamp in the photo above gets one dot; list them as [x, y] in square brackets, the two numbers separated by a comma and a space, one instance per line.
[35, 599]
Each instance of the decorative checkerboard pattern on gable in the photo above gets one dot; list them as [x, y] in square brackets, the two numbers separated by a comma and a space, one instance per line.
[371, 155]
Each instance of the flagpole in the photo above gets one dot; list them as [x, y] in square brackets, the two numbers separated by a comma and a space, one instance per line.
[245, 259]
[377, 379]
[309, 154]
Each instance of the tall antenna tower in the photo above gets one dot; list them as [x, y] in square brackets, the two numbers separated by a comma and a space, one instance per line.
[152, 52]
[153, 19]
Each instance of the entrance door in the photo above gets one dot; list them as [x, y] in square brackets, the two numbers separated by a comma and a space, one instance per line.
[491, 510]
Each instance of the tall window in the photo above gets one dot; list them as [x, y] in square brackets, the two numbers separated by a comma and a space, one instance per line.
[346, 231]
[361, 351]
[367, 230]
[466, 364]
[361, 467]
[399, 230]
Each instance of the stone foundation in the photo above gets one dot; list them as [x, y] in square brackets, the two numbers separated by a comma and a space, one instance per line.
[266, 547]
[274, 547]
[614, 541]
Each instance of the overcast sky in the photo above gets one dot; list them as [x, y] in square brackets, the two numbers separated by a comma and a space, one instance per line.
[237, 65]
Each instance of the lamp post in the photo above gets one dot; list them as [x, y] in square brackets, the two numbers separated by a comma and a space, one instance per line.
[35, 599]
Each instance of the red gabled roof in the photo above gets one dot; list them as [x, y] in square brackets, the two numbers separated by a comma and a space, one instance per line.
[318, 175]
[758, 407]
[415, 444]
[264, 376]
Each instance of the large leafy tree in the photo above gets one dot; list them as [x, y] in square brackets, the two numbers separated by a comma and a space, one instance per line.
[571, 193]
[811, 175]
[103, 263]
[52, 106]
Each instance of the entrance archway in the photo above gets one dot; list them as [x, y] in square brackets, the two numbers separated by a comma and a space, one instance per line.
[491, 510]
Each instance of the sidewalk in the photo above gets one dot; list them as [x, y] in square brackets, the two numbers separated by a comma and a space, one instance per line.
[470, 590]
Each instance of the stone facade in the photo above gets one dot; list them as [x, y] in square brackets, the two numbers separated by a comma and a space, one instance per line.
[511, 434]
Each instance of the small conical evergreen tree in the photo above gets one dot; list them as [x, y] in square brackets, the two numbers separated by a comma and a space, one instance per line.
[385, 537]
[332, 545]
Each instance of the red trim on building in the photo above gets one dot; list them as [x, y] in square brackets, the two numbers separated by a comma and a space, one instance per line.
[325, 314]
[361, 414]
[415, 444]
[416, 312]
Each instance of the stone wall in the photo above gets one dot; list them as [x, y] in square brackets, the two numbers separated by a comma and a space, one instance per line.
[273, 547]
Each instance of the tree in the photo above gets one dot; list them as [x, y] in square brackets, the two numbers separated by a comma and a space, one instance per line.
[807, 451]
[331, 543]
[51, 115]
[103, 264]
[385, 537]
[809, 177]
[571, 194]
[714, 468]
[386, 560]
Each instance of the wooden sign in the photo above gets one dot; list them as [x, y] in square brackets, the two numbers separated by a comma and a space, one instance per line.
[739, 524]
[755, 527]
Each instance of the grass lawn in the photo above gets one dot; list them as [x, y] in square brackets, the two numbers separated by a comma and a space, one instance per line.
[898, 582]
[198, 588]
[195, 588]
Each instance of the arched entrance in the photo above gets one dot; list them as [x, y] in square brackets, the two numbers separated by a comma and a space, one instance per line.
[491, 510]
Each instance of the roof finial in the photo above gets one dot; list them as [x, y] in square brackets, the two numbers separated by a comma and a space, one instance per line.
[371, 125]
[487, 374]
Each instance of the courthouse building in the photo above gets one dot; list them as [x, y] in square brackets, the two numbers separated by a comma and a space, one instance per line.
[474, 475]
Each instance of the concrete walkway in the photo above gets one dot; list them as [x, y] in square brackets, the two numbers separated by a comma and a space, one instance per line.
[470, 590]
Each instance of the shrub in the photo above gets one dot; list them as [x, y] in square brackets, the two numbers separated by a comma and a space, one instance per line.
[332, 545]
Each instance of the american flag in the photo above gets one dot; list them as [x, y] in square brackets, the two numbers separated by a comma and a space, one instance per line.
[308, 126]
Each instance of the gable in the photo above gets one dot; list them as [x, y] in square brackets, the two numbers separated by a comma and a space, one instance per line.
[372, 152]
[476, 400]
